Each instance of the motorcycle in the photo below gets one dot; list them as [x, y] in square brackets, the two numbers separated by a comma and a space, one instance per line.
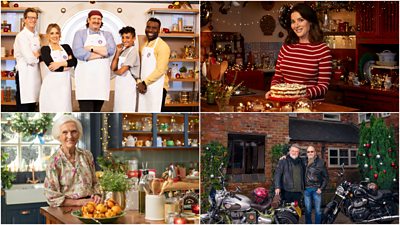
[230, 207]
[362, 203]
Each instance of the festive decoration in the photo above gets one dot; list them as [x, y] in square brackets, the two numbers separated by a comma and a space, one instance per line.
[375, 136]
[212, 155]
[27, 126]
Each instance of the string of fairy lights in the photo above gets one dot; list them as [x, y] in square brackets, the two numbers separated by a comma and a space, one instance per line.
[105, 137]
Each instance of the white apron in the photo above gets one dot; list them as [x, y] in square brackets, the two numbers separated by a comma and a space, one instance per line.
[92, 78]
[29, 78]
[125, 89]
[55, 94]
[150, 101]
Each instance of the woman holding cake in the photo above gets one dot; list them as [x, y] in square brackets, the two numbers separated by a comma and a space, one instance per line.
[304, 61]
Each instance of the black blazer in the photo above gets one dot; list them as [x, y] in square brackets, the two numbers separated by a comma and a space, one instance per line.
[46, 57]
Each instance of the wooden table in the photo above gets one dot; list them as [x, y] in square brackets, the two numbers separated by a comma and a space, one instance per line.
[235, 100]
[62, 215]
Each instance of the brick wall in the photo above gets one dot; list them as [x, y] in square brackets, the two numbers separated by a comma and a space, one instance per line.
[274, 126]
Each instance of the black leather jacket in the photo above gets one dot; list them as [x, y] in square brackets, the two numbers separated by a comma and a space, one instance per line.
[283, 174]
[316, 174]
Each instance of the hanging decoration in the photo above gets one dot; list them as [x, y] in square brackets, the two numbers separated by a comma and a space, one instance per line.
[27, 126]
[284, 16]
[267, 24]
[205, 13]
[267, 5]
[104, 132]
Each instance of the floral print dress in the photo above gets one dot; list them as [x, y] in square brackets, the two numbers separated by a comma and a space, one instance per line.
[65, 180]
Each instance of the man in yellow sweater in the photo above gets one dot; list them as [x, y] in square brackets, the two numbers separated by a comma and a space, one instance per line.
[154, 65]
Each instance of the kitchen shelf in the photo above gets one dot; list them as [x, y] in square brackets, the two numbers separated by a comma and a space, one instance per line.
[137, 132]
[172, 11]
[128, 149]
[193, 104]
[183, 60]
[9, 103]
[16, 9]
[179, 35]
[9, 34]
[8, 58]
[184, 79]
[384, 67]
[8, 78]
[339, 33]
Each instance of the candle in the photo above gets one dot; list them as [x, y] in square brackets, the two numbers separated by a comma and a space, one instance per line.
[180, 220]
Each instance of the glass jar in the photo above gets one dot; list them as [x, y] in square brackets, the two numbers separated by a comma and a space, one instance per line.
[146, 123]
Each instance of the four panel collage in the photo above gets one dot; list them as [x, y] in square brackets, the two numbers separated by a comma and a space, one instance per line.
[199, 112]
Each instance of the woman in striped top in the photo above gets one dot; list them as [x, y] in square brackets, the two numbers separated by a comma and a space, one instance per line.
[304, 58]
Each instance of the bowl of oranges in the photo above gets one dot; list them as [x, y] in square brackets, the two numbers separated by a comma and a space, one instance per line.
[107, 212]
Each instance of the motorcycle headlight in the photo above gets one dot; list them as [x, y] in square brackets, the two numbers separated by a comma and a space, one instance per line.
[340, 190]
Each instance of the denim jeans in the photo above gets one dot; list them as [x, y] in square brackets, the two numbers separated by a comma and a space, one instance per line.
[311, 195]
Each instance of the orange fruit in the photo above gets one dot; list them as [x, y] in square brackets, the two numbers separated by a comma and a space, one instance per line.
[84, 209]
[90, 208]
[108, 214]
[101, 208]
[117, 209]
[110, 203]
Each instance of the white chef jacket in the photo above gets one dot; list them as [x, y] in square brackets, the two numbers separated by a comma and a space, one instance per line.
[22, 47]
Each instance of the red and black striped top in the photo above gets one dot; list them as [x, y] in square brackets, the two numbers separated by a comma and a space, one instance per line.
[305, 63]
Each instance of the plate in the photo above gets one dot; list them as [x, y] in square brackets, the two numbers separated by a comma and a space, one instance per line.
[78, 214]
[364, 59]
[284, 99]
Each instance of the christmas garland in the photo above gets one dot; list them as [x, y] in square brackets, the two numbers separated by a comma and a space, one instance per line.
[28, 126]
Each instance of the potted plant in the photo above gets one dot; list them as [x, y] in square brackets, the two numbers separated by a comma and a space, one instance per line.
[117, 184]
[7, 177]
[183, 71]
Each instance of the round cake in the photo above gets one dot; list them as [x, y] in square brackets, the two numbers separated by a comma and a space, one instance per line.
[286, 90]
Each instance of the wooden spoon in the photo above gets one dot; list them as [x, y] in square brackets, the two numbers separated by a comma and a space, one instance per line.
[215, 71]
[224, 67]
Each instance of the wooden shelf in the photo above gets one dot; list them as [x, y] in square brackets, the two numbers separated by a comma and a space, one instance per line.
[179, 35]
[8, 34]
[184, 60]
[172, 132]
[384, 67]
[8, 78]
[16, 9]
[128, 149]
[8, 58]
[173, 11]
[136, 132]
[184, 80]
[193, 104]
[339, 33]
[9, 103]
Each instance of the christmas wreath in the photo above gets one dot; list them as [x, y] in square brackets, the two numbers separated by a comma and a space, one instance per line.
[28, 126]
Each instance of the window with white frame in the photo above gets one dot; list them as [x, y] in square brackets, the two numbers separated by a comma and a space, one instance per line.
[385, 114]
[26, 152]
[364, 117]
[331, 116]
[339, 156]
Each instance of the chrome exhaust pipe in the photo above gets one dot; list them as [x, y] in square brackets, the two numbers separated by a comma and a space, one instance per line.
[380, 218]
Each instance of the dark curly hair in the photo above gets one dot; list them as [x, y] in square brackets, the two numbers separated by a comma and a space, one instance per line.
[127, 30]
[315, 35]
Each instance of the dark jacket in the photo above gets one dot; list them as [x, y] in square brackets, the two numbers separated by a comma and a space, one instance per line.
[283, 173]
[316, 174]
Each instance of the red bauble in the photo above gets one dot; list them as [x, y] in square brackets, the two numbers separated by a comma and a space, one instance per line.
[371, 167]
[369, 155]
[368, 145]
[393, 164]
[180, 220]
[376, 176]
[390, 150]
[195, 208]
[384, 171]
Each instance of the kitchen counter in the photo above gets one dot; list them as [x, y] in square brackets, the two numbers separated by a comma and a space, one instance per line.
[62, 215]
[235, 100]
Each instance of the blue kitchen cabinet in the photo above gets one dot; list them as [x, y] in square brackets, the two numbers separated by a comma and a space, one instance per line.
[23, 213]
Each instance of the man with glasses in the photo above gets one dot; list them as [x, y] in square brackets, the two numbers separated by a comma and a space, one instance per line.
[289, 176]
[27, 52]
[316, 181]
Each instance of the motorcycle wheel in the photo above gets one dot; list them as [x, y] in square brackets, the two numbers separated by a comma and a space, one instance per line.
[394, 210]
[286, 218]
[327, 216]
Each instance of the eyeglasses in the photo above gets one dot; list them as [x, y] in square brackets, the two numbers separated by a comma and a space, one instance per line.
[31, 18]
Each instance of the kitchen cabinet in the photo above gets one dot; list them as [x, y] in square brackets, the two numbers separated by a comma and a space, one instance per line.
[183, 90]
[14, 17]
[151, 128]
[23, 213]
[228, 46]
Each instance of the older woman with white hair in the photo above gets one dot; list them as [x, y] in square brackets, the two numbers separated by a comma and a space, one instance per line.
[70, 174]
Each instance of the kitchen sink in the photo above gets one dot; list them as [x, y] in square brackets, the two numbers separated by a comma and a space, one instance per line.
[25, 193]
